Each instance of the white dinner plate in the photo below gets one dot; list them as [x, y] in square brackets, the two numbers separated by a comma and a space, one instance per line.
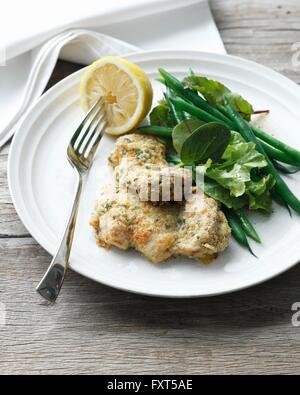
[42, 184]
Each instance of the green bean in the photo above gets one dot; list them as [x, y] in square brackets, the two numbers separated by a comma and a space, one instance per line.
[237, 229]
[174, 84]
[278, 199]
[173, 158]
[293, 153]
[284, 169]
[197, 112]
[223, 110]
[159, 131]
[178, 116]
[248, 227]
[246, 131]
[280, 156]
[171, 110]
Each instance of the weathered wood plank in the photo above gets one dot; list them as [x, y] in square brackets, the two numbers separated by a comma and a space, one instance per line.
[95, 329]
[263, 31]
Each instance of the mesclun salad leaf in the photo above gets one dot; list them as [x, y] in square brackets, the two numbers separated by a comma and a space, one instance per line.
[208, 142]
[161, 115]
[183, 130]
[234, 174]
[259, 193]
[222, 195]
[260, 187]
[249, 199]
[234, 171]
[214, 93]
[239, 151]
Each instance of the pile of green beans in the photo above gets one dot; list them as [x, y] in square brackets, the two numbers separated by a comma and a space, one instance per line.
[190, 102]
[241, 227]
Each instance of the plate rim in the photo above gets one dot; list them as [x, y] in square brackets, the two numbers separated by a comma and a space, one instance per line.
[165, 54]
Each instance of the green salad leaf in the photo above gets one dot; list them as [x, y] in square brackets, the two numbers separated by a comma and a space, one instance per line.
[222, 195]
[259, 193]
[183, 130]
[214, 93]
[231, 181]
[208, 142]
[234, 171]
[235, 179]
[260, 187]
[161, 116]
[263, 202]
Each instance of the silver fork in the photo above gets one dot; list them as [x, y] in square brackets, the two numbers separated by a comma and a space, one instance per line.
[80, 153]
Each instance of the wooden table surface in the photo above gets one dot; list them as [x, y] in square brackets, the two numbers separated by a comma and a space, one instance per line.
[95, 329]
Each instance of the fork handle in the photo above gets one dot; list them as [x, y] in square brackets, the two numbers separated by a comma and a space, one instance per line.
[51, 284]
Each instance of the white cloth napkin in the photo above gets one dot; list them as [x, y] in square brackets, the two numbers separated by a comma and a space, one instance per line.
[32, 40]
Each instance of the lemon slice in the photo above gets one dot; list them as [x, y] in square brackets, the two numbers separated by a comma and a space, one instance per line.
[126, 89]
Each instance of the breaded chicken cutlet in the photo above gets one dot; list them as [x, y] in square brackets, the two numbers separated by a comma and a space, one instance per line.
[197, 229]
